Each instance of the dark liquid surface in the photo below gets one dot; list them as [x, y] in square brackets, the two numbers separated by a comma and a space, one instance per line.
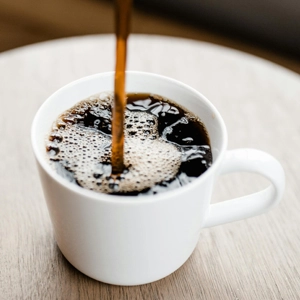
[165, 146]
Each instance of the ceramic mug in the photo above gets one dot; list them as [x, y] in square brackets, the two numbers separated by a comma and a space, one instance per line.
[128, 240]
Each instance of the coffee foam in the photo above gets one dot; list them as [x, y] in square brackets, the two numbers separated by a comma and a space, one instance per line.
[85, 152]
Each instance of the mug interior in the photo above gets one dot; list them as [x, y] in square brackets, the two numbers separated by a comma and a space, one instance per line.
[138, 82]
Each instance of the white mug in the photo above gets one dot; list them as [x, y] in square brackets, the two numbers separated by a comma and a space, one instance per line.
[128, 240]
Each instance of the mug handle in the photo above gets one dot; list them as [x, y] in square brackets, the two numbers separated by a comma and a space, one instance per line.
[254, 161]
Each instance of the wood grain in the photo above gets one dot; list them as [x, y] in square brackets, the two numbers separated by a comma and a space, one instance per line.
[256, 258]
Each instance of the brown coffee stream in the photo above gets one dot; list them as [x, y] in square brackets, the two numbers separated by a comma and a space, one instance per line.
[123, 8]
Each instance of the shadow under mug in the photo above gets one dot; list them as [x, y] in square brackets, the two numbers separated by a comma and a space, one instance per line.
[128, 240]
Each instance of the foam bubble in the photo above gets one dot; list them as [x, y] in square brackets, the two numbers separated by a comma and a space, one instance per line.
[82, 147]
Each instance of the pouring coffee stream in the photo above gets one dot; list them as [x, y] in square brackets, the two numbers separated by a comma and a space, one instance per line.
[123, 8]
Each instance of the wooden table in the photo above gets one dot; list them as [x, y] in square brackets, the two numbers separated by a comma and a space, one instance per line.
[258, 258]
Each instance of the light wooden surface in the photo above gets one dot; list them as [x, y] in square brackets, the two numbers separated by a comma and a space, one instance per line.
[258, 258]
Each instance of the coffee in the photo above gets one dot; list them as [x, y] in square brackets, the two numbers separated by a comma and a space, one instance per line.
[123, 8]
[166, 146]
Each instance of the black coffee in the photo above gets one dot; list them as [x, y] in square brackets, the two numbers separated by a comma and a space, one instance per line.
[166, 146]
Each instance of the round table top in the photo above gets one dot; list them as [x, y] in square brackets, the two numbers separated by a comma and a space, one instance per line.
[257, 258]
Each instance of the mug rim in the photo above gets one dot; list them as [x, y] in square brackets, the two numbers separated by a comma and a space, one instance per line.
[140, 199]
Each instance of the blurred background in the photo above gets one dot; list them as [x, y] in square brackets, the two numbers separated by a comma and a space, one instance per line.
[266, 28]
